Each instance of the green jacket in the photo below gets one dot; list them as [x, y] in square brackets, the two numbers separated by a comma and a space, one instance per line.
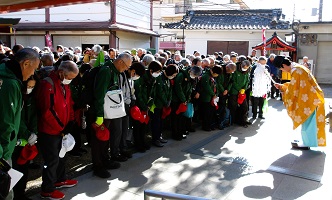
[227, 82]
[162, 91]
[144, 91]
[239, 81]
[208, 84]
[182, 87]
[29, 121]
[106, 80]
[219, 81]
[10, 107]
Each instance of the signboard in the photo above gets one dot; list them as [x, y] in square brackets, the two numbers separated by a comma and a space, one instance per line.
[172, 45]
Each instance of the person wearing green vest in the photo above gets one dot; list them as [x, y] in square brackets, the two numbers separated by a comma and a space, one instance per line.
[162, 98]
[144, 92]
[12, 74]
[181, 94]
[208, 95]
[240, 81]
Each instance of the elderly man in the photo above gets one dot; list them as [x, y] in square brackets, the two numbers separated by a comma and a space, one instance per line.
[275, 75]
[56, 118]
[147, 59]
[304, 101]
[106, 79]
[12, 74]
[306, 62]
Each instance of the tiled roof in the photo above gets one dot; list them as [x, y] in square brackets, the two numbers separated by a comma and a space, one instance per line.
[231, 19]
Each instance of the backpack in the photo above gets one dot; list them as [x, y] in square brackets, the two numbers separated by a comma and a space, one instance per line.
[87, 85]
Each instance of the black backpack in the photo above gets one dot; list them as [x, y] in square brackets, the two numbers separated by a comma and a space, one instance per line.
[87, 85]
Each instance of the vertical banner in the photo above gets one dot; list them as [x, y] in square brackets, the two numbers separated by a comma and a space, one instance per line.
[14, 36]
[264, 41]
[48, 40]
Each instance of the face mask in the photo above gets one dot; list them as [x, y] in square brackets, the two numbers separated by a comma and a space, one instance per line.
[135, 78]
[66, 81]
[192, 77]
[176, 62]
[243, 69]
[29, 90]
[155, 75]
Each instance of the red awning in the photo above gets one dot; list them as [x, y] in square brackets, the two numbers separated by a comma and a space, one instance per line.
[20, 5]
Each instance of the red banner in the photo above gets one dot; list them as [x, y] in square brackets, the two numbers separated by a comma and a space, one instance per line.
[264, 41]
[48, 40]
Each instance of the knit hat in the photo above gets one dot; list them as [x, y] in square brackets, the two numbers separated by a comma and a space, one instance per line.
[29, 152]
[135, 113]
[166, 112]
[102, 133]
[182, 108]
[241, 98]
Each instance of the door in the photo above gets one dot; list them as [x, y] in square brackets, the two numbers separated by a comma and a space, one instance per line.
[240, 47]
[323, 68]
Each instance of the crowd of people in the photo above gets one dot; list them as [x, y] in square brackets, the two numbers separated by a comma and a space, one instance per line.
[116, 99]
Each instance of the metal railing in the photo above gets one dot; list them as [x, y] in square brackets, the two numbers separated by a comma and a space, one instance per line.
[166, 195]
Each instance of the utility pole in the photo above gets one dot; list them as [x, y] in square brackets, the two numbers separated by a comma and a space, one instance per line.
[320, 16]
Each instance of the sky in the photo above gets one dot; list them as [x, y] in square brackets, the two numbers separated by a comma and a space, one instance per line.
[303, 8]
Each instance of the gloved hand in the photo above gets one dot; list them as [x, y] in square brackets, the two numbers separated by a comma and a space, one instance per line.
[99, 121]
[21, 142]
[32, 139]
[69, 128]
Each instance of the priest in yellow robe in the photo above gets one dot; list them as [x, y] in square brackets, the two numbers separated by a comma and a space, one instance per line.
[304, 101]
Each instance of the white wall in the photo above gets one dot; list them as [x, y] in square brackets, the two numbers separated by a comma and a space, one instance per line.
[132, 40]
[31, 41]
[27, 16]
[98, 11]
[72, 41]
[197, 39]
[133, 12]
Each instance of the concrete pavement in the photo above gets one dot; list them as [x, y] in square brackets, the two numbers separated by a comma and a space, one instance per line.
[236, 163]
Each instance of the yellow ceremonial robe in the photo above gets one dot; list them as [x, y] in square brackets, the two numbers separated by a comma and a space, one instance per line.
[302, 96]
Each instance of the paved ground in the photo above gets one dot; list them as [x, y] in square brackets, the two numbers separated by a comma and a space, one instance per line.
[234, 164]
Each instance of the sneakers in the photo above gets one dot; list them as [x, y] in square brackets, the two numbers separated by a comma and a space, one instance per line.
[66, 184]
[102, 173]
[162, 140]
[55, 195]
[157, 143]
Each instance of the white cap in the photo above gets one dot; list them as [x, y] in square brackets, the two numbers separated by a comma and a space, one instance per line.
[68, 143]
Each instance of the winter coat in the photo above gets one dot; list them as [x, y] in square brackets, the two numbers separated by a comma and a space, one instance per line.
[10, 106]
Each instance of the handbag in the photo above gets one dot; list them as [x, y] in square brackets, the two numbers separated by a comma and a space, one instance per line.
[114, 105]
[189, 113]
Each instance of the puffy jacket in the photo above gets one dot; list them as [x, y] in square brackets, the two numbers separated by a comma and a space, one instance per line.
[10, 107]
[55, 109]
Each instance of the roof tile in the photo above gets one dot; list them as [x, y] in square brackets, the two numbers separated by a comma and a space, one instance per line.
[231, 19]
